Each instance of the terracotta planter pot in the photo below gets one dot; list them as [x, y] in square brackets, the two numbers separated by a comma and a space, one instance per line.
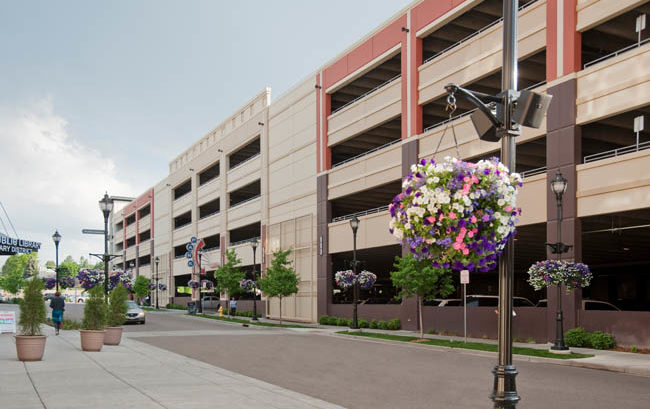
[30, 348]
[113, 336]
[92, 340]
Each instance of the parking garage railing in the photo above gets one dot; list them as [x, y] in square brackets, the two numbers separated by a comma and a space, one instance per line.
[362, 96]
[616, 53]
[474, 34]
[367, 152]
[532, 172]
[237, 243]
[616, 152]
[359, 214]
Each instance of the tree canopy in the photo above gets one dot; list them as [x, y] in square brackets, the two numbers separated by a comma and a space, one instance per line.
[280, 279]
[13, 270]
[229, 275]
[140, 286]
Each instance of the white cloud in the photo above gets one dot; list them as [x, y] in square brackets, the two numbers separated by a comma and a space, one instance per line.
[48, 180]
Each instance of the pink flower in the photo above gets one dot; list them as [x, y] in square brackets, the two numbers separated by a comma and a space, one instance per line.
[508, 208]
[456, 246]
[474, 179]
[452, 215]
[465, 189]
[472, 219]
[463, 230]
[466, 179]
[459, 238]
[466, 251]
[431, 219]
[470, 234]
[441, 217]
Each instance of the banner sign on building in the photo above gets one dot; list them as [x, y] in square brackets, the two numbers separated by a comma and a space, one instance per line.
[10, 246]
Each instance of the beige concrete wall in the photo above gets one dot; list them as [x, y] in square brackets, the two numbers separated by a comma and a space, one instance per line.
[130, 230]
[373, 170]
[290, 215]
[209, 226]
[613, 86]
[614, 185]
[245, 214]
[593, 12]
[245, 173]
[144, 224]
[532, 200]
[245, 254]
[209, 191]
[481, 55]
[373, 232]
[376, 108]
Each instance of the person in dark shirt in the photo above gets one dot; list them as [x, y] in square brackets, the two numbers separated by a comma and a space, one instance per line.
[57, 304]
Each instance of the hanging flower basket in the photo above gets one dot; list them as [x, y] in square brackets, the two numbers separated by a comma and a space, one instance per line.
[193, 284]
[66, 282]
[207, 284]
[120, 277]
[347, 278]
[162, 287]
[247, 285]
[90, 278]
[459, 214]
[555, 272]
[49, 282]
[151, 286]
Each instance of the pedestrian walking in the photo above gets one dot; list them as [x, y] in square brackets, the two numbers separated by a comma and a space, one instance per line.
[233, 306]
[57, 304]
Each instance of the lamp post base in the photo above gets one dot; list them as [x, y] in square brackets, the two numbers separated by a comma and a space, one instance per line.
[559, 348]
[504, 395]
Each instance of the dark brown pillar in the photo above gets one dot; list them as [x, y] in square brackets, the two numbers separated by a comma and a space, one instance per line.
[563, 153]
[324, 263]
[409, 310]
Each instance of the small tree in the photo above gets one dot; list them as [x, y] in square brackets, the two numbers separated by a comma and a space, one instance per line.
[69, 268]
[117, 306]
[229, 275]
[141, 286]
[11, 277]
[280, 279]
[95, 310]
[31, 269]
[32, 308]
[420, 279]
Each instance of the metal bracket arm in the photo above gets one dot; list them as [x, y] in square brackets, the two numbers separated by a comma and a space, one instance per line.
[475, 98]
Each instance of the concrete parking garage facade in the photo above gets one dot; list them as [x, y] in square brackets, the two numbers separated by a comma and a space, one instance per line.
[294, 170]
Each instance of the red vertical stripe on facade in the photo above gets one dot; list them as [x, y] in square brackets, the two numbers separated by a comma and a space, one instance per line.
[551, 40]
[572, 38]
[406, 115]
[326, 112]
[319, 147]
[416, 61]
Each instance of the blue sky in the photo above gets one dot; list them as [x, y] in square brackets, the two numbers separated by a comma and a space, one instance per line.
[95, 92]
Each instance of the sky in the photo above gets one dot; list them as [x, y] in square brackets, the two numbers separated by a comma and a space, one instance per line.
[99, 96]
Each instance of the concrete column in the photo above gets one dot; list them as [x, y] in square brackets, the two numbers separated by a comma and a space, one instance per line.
[563, 153]
[324, 261]
[409, 310]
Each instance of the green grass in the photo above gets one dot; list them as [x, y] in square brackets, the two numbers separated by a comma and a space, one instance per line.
[241, 321]
[469, 345]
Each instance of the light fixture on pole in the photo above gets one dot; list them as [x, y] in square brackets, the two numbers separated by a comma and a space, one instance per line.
[106, 206]
[558, 186]
[157, 261]
[254, 244]
[354, 223]
[56, 237]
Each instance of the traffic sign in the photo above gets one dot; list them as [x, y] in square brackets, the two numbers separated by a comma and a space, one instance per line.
[193, 240]
[464, 277]
[188, 254]
[189, 247]
[190, 263]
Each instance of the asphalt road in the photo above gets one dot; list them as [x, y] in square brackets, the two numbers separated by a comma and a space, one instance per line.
[360, 374]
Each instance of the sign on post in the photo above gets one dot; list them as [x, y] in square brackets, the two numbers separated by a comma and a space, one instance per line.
[464, 280]
[7, 321]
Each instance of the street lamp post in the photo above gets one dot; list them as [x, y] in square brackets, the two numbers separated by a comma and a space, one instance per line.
[254, 244]
[157, 260]
[106, 206]
[354, 223]
[558, 186]
[56, 237]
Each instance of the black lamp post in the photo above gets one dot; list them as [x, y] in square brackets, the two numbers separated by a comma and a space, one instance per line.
[254, 244]
[106, 206]
[354, 223]
[558, 186]
[56, 237]
[157, 260]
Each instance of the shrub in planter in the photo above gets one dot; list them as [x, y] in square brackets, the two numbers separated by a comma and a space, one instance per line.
[394, 324]
[341, 322]
[30, 346]
[116, 315]
[324, 320]
[601, 340]
[94, 321]
[382, 325]
[577, 337]
[363, 323]
[374, 324]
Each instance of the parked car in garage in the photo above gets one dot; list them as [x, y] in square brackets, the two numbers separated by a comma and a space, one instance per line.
[588, 305]
[134, 313]
[211, 302]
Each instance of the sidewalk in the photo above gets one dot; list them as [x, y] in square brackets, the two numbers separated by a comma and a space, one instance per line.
[614, 361]
[132, 375]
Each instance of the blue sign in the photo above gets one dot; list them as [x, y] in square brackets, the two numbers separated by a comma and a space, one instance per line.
[188, 255]
[193, 240]
[190, 263]
[189, 247]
